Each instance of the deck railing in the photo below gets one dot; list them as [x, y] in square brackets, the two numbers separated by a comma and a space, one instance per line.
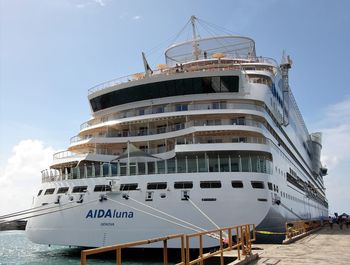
[257, 64]
[166, 129]
[297, 228]
[170, 108]
[239, 238]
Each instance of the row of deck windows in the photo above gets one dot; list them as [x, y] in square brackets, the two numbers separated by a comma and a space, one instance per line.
[215, 184]
[203, 162]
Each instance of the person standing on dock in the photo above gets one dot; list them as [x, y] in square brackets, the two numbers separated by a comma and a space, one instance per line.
[331, 222]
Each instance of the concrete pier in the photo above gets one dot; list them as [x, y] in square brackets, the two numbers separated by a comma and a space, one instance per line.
[326, 246]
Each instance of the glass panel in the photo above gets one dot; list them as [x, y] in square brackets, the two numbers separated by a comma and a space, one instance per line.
[161, 167]
[224, 163]
[132, 168]
[255, 164]
[75, 173]
[114, 168]
[245, 164]
[105, 168]
[142, 168]
[181, 165]
[171, 165]
[151, 168]
[192, 163]
[200, 85]
[123, 170]
[82, 172]
[234, 163]
[97, 170]
[202, 163]
[89, 171]
[213, 163]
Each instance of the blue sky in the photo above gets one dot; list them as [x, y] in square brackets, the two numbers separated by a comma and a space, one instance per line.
[52, 52]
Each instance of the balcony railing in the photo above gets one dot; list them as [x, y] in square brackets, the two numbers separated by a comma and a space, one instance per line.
[219, 161]
[170, 128]
[171, 108]
[257, 64]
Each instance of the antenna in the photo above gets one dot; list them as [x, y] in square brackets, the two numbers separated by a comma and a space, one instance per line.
[285, 65]
[196, 50]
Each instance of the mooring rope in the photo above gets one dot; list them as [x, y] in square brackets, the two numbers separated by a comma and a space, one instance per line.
[32, 216]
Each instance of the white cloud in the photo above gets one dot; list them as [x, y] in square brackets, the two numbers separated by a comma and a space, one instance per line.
[85, 3]
[100, 2]
[20, 177]
[136, 17]
[80, 5]
[335, 127]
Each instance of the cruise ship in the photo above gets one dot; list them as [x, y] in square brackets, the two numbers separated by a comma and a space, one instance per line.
[211, 138]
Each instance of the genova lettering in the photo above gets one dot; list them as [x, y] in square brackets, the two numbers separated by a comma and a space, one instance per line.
[109, 213]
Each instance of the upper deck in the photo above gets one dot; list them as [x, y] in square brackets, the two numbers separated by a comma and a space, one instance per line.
[210, 54]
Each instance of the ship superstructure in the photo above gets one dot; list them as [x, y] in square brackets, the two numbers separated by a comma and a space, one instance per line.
[213, 137]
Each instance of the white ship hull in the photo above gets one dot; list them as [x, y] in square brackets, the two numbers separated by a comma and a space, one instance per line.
[93, 223]
[221, 128]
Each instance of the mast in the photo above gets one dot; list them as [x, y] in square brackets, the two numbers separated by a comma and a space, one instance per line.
[196, 50]
[285, 65]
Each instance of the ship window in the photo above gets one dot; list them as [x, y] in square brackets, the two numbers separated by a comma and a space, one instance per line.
[156, 185]
[257, 184]
[188, 86]
[183, 185]
[181, 107]
[39, 193]
[78, 189]
[128, 186]
[210, 184]
[49, 191]
[269, 184]
[237, 184]
[102, 188]
[62, 190]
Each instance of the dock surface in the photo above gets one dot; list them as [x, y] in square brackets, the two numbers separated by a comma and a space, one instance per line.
[326, 246]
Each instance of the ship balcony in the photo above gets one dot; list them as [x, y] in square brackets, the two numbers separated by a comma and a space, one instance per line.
[228, 159]
[144, 133]
[178, 109]
[258, 64]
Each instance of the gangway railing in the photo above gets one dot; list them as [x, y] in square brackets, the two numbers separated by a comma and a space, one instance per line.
[301, 227]
[237, 238]
[241, 241]
[118, 248]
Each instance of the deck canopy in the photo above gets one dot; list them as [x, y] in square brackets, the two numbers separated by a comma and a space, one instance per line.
[234, 47]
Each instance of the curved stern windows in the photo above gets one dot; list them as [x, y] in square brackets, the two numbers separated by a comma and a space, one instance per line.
[49, 191]
[183, 185]
[237, 184]
[156, 185]
[79, 189]
[129, 186]
[100, 188]
[210, 184]
[62, 190]
[171, 88]
[258, 184]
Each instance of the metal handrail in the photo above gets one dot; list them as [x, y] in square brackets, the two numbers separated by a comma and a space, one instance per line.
[193, 66]
[118, 248]
[166, 109]
[300, 227]
[245, 235]
[166, 129]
